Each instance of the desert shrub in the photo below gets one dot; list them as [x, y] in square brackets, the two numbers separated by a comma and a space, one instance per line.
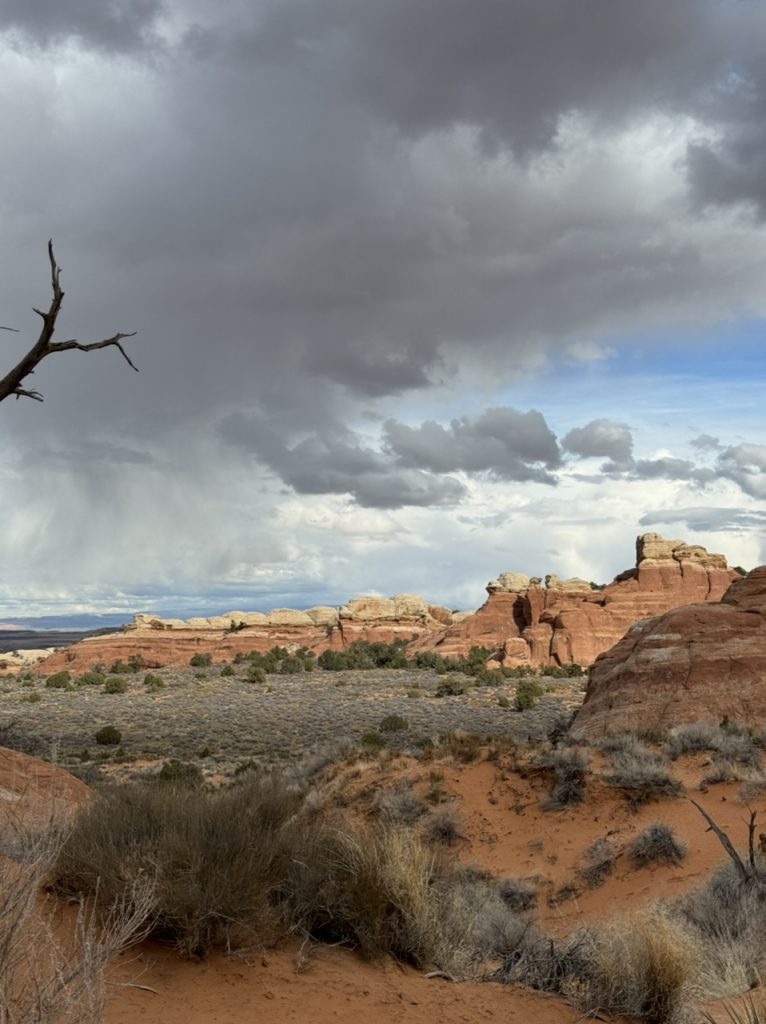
[464, 746]
[108, 736]
[451, 687]
[42, 979]
[113, 684]
[153, 682]
[362, 655]
[598, 863]
[750, 1012]
[570, 770]
[503, 702]
[136, 662]
[643, 966]
[59, 681]
[443, 826]
[518, 895]
[291, 665]
[228, 670]
[385, 892]
[255, 674]
[201, 660]
[490, 677]
[217, 858]
[642, 775]
[91, 679]
[692, 738]
[656, 845]
[33, 698]
[399, 804]
[120, 668]
[428, 659]
[179, 773]
[372, 740]
[393, 723]
[721, 771]
[527, 692]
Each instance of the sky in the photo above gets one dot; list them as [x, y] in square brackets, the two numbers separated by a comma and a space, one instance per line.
[424, 291]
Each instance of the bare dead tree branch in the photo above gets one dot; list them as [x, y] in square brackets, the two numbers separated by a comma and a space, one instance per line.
[11, 384]
[748, 875]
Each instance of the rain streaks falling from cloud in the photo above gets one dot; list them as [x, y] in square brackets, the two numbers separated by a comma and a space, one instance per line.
[345, 232]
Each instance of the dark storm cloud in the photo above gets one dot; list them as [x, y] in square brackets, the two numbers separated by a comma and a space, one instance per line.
[336, 465]
[708, 519]
[512, 69]
[112, 25]
[508, 444]
[732, 169]
[602, 438]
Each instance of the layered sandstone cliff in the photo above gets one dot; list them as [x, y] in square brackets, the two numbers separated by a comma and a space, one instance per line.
[165, 642]
[571, 621]
[700, 661]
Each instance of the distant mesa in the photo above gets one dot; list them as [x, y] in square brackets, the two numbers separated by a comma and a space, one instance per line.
[166, 642]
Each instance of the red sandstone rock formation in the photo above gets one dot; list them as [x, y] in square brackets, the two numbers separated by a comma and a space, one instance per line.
[166, 642]
[701, 661]
[35, 794]
[568, 621]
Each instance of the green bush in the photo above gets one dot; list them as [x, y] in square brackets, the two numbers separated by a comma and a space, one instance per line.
[59, 681]
[394, 723]
[255, 674]
[109, 736]
[136, 662]
[201, 660]
[527, 692]
[228, 670]
[91, 679]
[153, 682]
[114, 684]
[120, 668]
[291, 665]
[373, 740]
[179, 773]
[451, 687]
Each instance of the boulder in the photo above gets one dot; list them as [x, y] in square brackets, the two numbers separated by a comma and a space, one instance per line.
[698, 661]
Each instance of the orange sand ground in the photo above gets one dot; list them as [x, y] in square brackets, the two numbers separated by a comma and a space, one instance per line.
[504, 830]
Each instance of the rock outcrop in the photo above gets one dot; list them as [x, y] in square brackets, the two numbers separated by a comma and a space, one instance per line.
[35, 794]
[572, 621]
[166, 642]
[700, 661]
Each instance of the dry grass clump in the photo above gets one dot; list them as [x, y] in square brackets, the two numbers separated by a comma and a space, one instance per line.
[598, 863]
[251, 864]
[399, 804]
[51, 973]
[731, 742]
[656, 845]
[643, 966]
[641, 773]
[443, 826]
[570, 770]
[384, 892]
[728, 915]
[216, 858]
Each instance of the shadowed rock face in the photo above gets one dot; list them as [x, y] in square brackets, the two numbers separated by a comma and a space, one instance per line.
[701, 661]
[567, 621]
